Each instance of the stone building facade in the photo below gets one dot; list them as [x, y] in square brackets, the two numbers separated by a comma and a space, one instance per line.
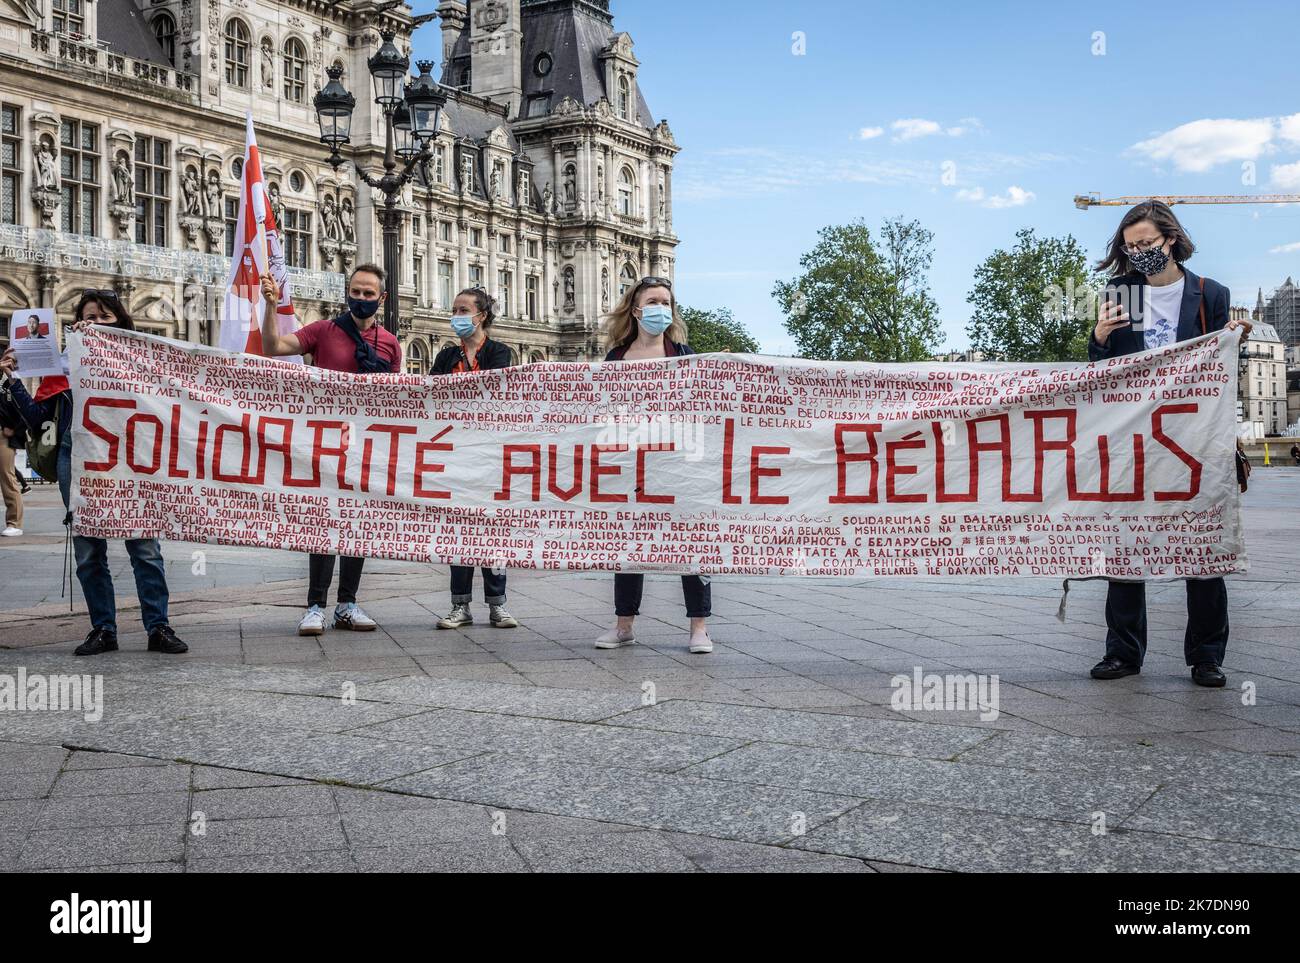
[122, 137]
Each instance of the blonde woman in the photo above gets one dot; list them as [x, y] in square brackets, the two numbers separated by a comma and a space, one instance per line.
[646, 325]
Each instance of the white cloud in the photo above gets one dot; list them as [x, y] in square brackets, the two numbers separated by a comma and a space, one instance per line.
[1201, 144]
[1285, 248]
[1286, 176]
[1014, 197]
[867, 133]
[913, 127]
[1288, 128]
[759, 171]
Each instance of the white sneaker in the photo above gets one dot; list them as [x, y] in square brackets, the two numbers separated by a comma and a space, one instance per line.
[11, 532]
[501, 619]
[351, 616]
[313, 623]
[458, 616]
[701, 644]
[615, 638]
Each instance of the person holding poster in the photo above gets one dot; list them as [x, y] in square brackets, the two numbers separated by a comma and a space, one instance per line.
[646, 325]
[1153, 301]
[53, 403]
[472, 313]
[36, 351]
[355, 343]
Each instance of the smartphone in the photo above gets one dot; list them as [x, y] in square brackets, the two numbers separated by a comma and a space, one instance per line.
[1128, 296]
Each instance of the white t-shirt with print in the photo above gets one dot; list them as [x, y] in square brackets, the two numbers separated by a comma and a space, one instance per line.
[1163, 305]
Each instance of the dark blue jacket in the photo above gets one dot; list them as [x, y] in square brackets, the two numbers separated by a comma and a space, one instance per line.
[1128, 341]
[38, 413]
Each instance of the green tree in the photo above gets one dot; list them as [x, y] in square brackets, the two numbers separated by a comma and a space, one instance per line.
[861, 299]
[716, 330]
[1036, 302]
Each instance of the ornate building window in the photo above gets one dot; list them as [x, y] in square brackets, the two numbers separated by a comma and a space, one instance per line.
[152, 190]
[530, 297]
[237, 53]
[505, 243]
[505, 281]
[532, 249]
[295, 70]
[230, 208]
[297, 238]
[626, 192]
[445, 294]
[69, 16]
[476, 237]
[79, 170]
[476, 275]
[417, 361]
[440, 164]
[444, 231]
[164, 28]
[626, 279]
[11, 165]
[624, 97]
[417, 269]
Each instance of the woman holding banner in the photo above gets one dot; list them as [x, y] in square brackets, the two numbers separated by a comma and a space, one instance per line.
[53, 406]
[1153, 301]
[472, 314]
[646, 325]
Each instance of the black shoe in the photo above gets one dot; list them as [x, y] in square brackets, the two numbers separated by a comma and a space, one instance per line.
[1208, 674]
[1112, 668]
[163, 639]
[97, 642]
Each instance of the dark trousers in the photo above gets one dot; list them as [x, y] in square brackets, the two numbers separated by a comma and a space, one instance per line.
[1206, 639]
[320, 572]
[462, 585]
[695, 589]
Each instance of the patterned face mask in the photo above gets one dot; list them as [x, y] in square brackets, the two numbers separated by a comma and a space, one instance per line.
[1150, 262]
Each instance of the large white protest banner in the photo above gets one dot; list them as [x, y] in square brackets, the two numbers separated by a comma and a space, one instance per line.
[707, 463]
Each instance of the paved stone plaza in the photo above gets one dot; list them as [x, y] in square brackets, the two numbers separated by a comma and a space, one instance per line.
[527, 749]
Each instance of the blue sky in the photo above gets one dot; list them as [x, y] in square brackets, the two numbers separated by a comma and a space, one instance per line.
[1011, 96]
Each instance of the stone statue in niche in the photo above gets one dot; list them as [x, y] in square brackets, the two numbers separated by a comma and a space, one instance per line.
[123, 182]
[600, 186]
[663, 200]
[347, 222]
[212, 196]
[47, 175]
[190, 193]
[495, 184]
[604, 290]
[548, 199]
[268, 63]
[466, 172]
[331, 229]
[277, 205]
[570, 186]
[569, 302]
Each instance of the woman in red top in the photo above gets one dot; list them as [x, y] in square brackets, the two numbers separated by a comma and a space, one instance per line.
[472, 314]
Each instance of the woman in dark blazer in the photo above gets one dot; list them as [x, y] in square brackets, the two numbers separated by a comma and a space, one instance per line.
[645, 325]
[1152, 301]
[472, 314]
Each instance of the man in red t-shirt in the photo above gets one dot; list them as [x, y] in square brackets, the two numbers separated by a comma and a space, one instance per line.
[333, 346]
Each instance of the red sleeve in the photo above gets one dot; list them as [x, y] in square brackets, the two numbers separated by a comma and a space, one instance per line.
[309, 336]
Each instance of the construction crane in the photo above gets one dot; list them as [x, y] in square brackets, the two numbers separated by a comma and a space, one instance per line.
[1085, 201]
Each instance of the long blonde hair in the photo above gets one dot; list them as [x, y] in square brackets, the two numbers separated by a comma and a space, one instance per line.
[620, 324]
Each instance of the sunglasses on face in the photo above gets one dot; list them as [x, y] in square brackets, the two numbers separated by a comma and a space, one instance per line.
[656, 283]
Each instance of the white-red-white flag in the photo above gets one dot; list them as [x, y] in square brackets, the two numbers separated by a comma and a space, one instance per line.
[257, 251]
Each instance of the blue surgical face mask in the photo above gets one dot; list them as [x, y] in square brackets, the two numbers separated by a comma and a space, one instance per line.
[363, 308]
[656, 318]
[463, 325]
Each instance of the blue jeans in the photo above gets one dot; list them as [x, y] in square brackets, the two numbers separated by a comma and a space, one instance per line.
[97, 579]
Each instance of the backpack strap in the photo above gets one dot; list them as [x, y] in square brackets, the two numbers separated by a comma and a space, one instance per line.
[1204, 326]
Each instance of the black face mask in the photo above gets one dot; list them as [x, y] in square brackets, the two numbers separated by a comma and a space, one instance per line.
[1150, 262]
[363, 307]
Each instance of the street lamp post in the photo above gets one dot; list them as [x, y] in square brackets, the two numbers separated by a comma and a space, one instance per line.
[412, 119]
